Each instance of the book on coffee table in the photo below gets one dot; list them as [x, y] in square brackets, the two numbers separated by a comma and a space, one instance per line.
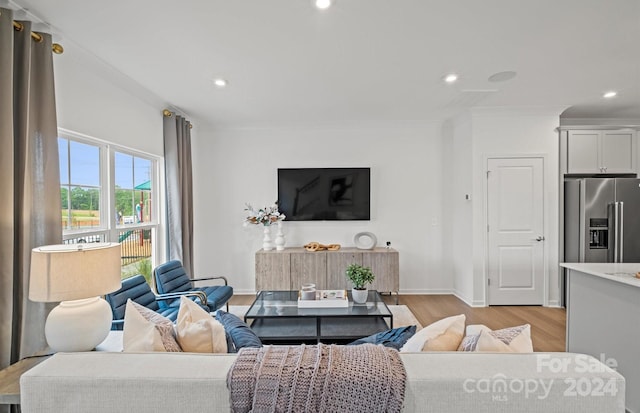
[326, 299]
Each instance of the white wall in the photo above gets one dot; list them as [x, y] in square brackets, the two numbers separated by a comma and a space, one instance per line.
[461, 221]
[420, 174]
[93, 103]
[516, 132]
[235, 166]
[89, 103]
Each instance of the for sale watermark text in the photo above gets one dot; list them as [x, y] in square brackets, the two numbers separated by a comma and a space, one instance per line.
[586, 382]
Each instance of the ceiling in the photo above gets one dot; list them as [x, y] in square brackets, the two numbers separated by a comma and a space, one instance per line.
[360, 60]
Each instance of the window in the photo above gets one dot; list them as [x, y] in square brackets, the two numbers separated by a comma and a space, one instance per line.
[133, 189]
[108, 194]
[80, 184]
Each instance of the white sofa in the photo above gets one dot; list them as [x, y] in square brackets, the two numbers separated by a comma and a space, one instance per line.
[437, 382]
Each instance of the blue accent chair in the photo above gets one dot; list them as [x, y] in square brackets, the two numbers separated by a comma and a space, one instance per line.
[137, 289]
[171, 277]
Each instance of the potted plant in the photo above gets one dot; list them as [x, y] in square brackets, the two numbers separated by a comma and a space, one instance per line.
[359, 276]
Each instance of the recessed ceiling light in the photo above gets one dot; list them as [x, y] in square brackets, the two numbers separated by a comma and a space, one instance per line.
[323, 4]
[502, 76]
[220, 82]
[450, 78]
[610, 94]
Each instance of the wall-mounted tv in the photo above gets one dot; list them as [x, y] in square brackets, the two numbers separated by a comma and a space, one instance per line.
[324, 194]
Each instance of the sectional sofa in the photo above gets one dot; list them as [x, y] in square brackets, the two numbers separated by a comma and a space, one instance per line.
[107, 382]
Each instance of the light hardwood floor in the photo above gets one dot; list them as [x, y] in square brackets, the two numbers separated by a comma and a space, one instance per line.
[547, 324]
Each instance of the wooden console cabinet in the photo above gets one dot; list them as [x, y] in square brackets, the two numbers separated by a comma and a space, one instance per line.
[289, 269]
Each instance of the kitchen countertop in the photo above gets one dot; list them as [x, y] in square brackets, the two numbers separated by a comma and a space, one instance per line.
[620, 272]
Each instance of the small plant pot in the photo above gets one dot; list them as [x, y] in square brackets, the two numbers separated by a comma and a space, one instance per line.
[359, 296]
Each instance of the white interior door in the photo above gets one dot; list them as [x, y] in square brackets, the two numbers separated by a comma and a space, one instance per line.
[515, 210]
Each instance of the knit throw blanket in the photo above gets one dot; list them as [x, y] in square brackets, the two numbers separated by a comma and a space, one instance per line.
[320, 378]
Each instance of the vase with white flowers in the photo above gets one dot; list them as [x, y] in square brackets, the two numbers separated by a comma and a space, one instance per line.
[266, 217]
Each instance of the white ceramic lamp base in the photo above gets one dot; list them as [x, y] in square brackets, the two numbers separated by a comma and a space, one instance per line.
[78, 325]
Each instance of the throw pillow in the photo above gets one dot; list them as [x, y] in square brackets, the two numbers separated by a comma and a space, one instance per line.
[443, 335]
[238, 331]
[394, 338]
[472, 334]
[507, 340]
[475, 329]
[197, 331]
[146, 330]
[469, 342]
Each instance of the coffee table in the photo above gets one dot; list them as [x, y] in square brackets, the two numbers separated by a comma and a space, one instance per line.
[275, 317]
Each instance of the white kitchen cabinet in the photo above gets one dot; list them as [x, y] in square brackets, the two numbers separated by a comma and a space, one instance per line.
[601, 152]
[618, 152]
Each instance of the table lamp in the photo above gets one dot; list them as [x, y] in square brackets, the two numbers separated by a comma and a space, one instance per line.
[76, 275]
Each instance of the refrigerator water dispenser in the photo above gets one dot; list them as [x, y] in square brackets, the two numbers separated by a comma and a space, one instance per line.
[598, 233]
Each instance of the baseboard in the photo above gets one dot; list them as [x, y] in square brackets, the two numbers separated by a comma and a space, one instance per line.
[461, 297]
[481, 303]
[426, 292]
[478, 303]
[244, 292]
[468, 301]
[405, 292]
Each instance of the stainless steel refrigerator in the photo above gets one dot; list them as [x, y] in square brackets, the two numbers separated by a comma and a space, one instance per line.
[602, 220]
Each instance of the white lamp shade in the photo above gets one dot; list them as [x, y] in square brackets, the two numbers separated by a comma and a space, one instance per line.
[75, 271]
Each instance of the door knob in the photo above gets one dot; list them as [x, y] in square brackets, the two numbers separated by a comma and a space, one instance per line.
[540, 238]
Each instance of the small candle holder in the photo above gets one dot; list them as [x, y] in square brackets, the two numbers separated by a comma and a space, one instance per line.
[308, 292]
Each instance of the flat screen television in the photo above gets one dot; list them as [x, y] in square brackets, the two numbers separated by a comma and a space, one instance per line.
[324, 194]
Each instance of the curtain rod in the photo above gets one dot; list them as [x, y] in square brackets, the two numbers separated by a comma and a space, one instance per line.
[56, 48]
[167, 114]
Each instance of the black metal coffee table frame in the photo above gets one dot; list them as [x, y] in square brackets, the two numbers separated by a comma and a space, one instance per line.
[275, 317]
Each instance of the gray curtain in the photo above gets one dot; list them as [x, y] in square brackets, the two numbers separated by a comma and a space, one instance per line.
[29, 182]
[177, 164]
